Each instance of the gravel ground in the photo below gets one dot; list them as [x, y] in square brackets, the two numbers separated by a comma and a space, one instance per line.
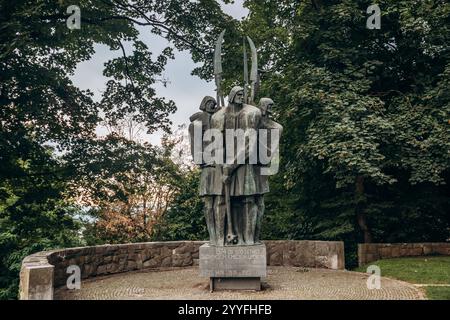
[281, 283]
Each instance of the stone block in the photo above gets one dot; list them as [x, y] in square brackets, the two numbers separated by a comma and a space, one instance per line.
[386, 252]
[111, 249]
[134, 256]
[304, 254]
[371, 248]
[100, 249]
[275, 259]
[152, 263]
[415, 251]
[131, 265]
[101, 269]
[396, 252]
[182, 260]
[442, 249]
[166, 262]
[330, 261]
[235, 284]
[36, 282]
[289, 250]
[166, 252]
[184, 248]
[87, 271]
[233, 261]
[371, 257]
[111, 268]
[427, 249]
[403, 251]
[322, 248]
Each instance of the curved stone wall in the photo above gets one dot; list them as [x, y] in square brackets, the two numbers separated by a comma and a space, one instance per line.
[368, 252]
[43, 271]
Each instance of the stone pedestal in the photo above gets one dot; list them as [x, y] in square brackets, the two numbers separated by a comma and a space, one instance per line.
[36, 282]
[233, 267]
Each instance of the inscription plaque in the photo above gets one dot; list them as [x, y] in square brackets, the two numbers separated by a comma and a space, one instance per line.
[236, 262]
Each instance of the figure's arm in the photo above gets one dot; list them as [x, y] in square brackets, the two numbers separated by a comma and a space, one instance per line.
[196, 119]
[252, 145]
[268, 147]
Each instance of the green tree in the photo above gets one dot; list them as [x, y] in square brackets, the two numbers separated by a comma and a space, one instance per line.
[47, 125]
[365, 149]
[33, 217]
[184, 219]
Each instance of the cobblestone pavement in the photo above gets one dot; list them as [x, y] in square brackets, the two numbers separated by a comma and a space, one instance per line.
[281, 283]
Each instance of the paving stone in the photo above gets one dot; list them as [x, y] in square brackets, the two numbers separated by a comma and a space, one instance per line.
[280, 283]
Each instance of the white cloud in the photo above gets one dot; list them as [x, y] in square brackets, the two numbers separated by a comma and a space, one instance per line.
[185, 90]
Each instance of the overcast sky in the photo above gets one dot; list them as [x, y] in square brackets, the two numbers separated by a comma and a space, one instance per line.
[187, 91]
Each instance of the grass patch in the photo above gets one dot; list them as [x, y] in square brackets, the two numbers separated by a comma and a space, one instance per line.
[421, 270]
[418, 270]
[438, 293]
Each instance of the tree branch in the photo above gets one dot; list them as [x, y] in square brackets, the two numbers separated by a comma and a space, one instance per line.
[127, 70]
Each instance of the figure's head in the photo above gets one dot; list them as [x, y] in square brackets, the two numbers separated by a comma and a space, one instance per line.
[236, 95]
[209, 104]
[265, 105]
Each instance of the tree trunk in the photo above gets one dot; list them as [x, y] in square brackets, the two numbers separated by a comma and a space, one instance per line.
[359, 209]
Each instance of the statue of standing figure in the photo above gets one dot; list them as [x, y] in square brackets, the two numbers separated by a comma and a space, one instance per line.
[211, 175]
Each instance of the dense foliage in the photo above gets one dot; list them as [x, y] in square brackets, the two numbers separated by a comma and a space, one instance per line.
[366, 144]
[49, 150]
[366, 151]
[184, 219]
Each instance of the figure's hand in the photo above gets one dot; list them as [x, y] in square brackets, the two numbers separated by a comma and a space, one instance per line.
[227, 172]
[225, 179]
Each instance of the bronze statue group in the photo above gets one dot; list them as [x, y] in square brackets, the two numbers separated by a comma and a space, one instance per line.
[231, 185]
